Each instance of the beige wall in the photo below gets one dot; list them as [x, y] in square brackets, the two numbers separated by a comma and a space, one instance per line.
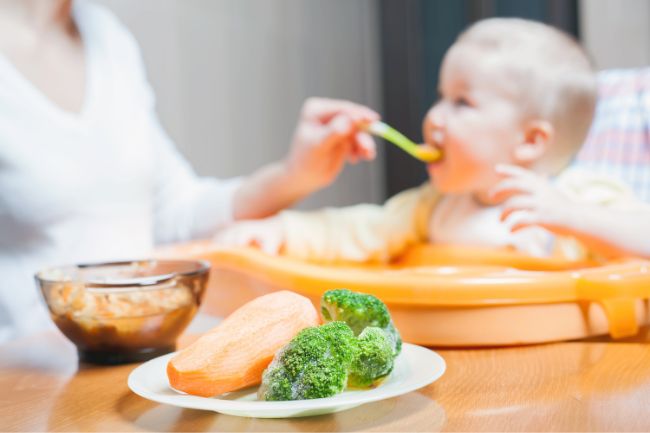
[616, 32]
[230, 76]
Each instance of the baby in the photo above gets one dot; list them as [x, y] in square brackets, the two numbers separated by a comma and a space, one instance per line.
[516, 101]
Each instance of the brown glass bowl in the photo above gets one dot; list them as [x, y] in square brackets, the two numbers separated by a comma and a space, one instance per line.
[124, 311]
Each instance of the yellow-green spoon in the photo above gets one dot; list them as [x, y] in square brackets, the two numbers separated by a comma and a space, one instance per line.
[388, 133]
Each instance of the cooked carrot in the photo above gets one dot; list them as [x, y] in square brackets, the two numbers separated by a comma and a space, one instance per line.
[234, 354]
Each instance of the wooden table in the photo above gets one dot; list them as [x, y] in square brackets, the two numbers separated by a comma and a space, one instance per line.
[595, 385]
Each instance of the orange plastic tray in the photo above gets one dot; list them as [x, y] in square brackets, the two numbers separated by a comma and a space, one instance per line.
[451, 296]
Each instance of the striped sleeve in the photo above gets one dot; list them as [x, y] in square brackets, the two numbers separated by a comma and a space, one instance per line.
[618, 143]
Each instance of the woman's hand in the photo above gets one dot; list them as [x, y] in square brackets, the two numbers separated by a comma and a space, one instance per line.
[329, 133]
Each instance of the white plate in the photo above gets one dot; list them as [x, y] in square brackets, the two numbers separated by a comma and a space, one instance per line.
[415, 367]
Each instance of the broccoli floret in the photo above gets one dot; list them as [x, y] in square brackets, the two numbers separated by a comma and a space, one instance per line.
[359, 311]
[357, 347]
[314, 364]
[375, 358]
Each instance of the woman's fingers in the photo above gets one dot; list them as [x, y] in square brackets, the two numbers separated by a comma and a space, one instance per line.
[324, 109]
[364, 146]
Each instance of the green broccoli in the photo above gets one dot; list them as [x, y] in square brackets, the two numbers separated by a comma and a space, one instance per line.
[374, 360]
[314, 364]
[357, 347]
[359, 311]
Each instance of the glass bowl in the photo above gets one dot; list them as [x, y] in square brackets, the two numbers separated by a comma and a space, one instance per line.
[124, 311]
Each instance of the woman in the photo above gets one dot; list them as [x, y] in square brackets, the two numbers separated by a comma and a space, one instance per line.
[86, 171]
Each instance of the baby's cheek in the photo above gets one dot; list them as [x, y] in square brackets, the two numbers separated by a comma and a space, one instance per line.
[478, 165]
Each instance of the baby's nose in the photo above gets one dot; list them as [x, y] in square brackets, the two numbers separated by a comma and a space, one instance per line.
[435, 116]
[434, 123]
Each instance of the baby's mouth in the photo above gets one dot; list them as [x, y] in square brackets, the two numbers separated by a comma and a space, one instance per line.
[435, 146]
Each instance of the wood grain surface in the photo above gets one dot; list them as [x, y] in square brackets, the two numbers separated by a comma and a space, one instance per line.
[596, 385]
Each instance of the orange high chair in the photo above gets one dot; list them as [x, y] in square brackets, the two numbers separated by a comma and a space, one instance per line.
[451, 296]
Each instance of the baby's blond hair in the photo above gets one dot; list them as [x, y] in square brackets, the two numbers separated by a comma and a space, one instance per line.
[551, 73]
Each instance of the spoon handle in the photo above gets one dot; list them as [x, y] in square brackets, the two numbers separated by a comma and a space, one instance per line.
[388, 133]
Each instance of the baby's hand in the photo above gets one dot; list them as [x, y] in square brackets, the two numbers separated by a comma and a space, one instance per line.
[329, 132]
[531, 200]
[265, 234]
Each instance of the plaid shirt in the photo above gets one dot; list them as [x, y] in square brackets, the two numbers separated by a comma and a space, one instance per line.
[618, 143]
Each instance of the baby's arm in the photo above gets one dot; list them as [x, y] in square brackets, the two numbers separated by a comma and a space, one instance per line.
[531, 200]
[362, 233]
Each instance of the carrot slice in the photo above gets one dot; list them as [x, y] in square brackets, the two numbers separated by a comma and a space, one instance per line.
[234, 354]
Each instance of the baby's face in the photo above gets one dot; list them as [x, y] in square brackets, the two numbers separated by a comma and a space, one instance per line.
[477, 122]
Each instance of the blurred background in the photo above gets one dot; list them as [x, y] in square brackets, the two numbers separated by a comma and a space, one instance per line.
[230, 75]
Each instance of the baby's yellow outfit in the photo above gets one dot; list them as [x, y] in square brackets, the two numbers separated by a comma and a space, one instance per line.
[376, 233]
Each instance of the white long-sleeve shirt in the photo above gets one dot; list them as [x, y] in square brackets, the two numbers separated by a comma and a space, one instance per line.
[102, 184]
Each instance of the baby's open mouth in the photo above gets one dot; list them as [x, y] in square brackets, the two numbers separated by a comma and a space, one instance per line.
[434, 147]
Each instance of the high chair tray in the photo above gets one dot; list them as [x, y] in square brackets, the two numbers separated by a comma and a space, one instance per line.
[451, 296]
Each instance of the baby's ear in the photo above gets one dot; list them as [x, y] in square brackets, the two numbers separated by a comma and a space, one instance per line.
[538, 137]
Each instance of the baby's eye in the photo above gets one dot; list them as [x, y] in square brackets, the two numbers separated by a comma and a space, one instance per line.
[461, 102]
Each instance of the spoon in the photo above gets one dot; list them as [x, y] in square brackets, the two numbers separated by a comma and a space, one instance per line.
[388, 133]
